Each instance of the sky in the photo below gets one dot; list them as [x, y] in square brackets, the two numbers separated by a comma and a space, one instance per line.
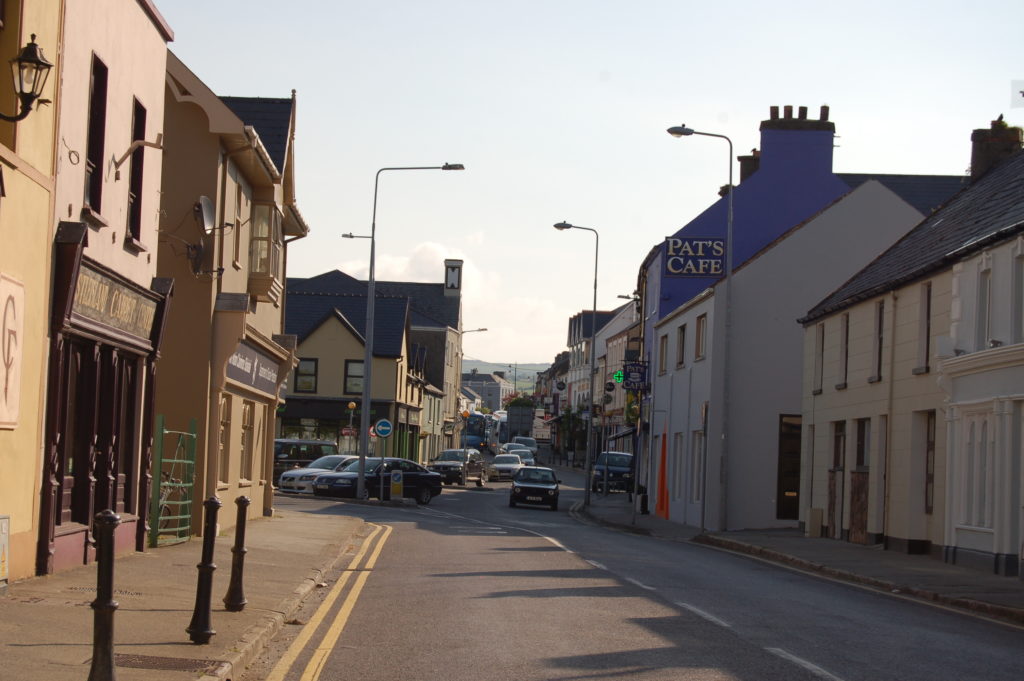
[558, 110]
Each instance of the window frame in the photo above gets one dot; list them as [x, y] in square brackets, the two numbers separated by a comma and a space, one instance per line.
[136, 165]
[700, 340]
[681, 345]
[96, 127]
[662, 352]
[300, 375]
[350, 375]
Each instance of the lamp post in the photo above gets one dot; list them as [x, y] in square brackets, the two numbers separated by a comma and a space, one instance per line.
[364, 417]
[683, 131]
[593, 358]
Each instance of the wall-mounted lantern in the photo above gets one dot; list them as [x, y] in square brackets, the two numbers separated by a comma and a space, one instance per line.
[31, 69]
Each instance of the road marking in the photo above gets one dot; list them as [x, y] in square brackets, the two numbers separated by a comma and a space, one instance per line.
[639, 584]
[316, 663]
[599, 566]
[703, 613]
[800, 662]
[290, 655]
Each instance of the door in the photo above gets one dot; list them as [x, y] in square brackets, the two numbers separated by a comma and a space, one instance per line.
[787, 495]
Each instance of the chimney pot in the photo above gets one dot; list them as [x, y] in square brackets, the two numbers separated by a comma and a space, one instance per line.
[824, 112]
[788, 111]
[774, 113]
[803, 113]
[991, 147]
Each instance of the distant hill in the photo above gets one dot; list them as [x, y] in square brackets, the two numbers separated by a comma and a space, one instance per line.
[525, 374]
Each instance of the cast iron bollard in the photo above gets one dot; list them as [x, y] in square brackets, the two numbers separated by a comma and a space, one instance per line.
[102, 668]
[199, 629]
[234, 599]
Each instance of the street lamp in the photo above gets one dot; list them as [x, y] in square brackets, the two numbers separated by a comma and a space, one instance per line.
[31, 70]
[561, 226]
[683, 131]
[364, 417]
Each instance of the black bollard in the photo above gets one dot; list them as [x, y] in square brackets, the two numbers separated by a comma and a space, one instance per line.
[234, 599]
[200, 629]
[102, 668]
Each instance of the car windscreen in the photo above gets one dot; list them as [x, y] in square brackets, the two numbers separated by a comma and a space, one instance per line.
[533, 475]
[515, 445]
[507, 458]
[371, 465]
[616, 460]
[451, 455]
[528, 441]
[326, 461]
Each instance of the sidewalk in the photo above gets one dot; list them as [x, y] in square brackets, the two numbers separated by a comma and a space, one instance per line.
[917, 576]
[46, 624]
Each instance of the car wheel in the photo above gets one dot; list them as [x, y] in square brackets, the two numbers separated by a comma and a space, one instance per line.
[481, 480]
[423, 496]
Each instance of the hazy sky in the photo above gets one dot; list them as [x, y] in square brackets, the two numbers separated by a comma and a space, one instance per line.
[558, 110]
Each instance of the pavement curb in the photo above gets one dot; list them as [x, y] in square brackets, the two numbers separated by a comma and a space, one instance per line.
[256, 637]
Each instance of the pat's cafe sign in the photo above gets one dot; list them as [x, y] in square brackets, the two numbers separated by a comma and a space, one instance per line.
[694, 257]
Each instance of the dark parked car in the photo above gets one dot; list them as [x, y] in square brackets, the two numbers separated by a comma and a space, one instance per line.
[289, 453]
[534, 485]
[460, 466]
[300, 480]
[418, 483]
[615, 468]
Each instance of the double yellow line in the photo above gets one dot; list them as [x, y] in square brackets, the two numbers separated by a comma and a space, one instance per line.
[316, 663]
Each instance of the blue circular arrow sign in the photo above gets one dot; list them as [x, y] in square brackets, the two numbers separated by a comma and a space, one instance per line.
[383, 428]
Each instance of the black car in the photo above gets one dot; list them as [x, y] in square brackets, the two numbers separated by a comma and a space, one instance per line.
[459, 466]
[534, 485]
[418, 483]
[615, 469]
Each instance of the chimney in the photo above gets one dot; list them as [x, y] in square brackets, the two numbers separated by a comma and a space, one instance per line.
[991, 147]
[499, 374]
[453, 277]
[749, 164]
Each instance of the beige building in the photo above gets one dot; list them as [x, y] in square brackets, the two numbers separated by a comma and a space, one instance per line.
[27, 171]
[885, 457]
[107, 305]
[228, 211]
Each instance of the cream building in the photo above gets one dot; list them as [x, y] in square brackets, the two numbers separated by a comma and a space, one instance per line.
[889, 456]
[228, 212]
[27, 172]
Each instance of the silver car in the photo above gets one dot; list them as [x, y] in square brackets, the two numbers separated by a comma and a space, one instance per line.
[504, 466]
[300, 480]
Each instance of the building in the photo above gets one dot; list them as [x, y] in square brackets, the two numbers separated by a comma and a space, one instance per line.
[229, 209]
[912, 381]
[27, 174]
[724, 355]
[108, 307]
[493, 389]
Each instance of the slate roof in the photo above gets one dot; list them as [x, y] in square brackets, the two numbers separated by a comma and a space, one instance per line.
[991, 209]
[429, 306]
[305, 312]
[924, 192]
[272, 119]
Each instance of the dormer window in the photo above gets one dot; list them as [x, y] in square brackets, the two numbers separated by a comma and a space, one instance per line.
[265, 252]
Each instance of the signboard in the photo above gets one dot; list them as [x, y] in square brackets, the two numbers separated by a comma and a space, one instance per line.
[397, 483]
[253, 368]
[109, 302]
[12, 339]
[383, 428]
[348, 431]
[635, 377]
[694, 257]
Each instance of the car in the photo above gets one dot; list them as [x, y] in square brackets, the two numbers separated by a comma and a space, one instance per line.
[522, 450]
[504, 466]
[534, 485]
[530, 443]
[459, 466]
[418, 483]
[300, 480]
[295, 453]
[615, 469]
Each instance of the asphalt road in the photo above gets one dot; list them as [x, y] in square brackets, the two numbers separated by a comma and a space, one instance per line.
[468, 589]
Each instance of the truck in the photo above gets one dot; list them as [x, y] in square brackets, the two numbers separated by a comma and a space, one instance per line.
[520, 420]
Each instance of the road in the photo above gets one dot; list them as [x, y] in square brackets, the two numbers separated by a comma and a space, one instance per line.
[468, 589]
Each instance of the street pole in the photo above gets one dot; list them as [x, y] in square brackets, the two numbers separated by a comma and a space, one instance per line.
[371, 292]
[593, 364]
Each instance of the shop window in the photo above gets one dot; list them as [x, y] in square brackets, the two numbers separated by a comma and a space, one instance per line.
[306, 375]
[353, 376]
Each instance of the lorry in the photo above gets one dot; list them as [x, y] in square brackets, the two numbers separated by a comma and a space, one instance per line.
[520, 420]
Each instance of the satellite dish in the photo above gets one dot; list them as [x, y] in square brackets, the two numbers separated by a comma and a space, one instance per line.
[205, 214]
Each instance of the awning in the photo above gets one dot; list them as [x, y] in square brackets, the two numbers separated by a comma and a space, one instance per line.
[622, 434]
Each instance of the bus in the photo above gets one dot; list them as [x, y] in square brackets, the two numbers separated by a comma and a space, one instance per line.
[475, 436]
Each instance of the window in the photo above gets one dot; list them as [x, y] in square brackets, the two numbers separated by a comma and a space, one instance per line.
[819, 356]
[697, 466]
[929, 463]
[844, 351]
[681, 345]
[879, 336]
[701, 340]
[863, 443]
[924, 329]
[236, 230]
[678, 459]
[353, 376]
[1017, 296]
[305, 375]
[224, 447]
[94, 164]
[838, 444]
[983, 332]
[248, 431]
[662, 353]
[133, 234]
[265, 252]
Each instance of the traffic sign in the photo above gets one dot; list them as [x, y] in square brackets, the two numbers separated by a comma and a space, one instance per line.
[348, 431]
[397, 483]
[383, 428]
